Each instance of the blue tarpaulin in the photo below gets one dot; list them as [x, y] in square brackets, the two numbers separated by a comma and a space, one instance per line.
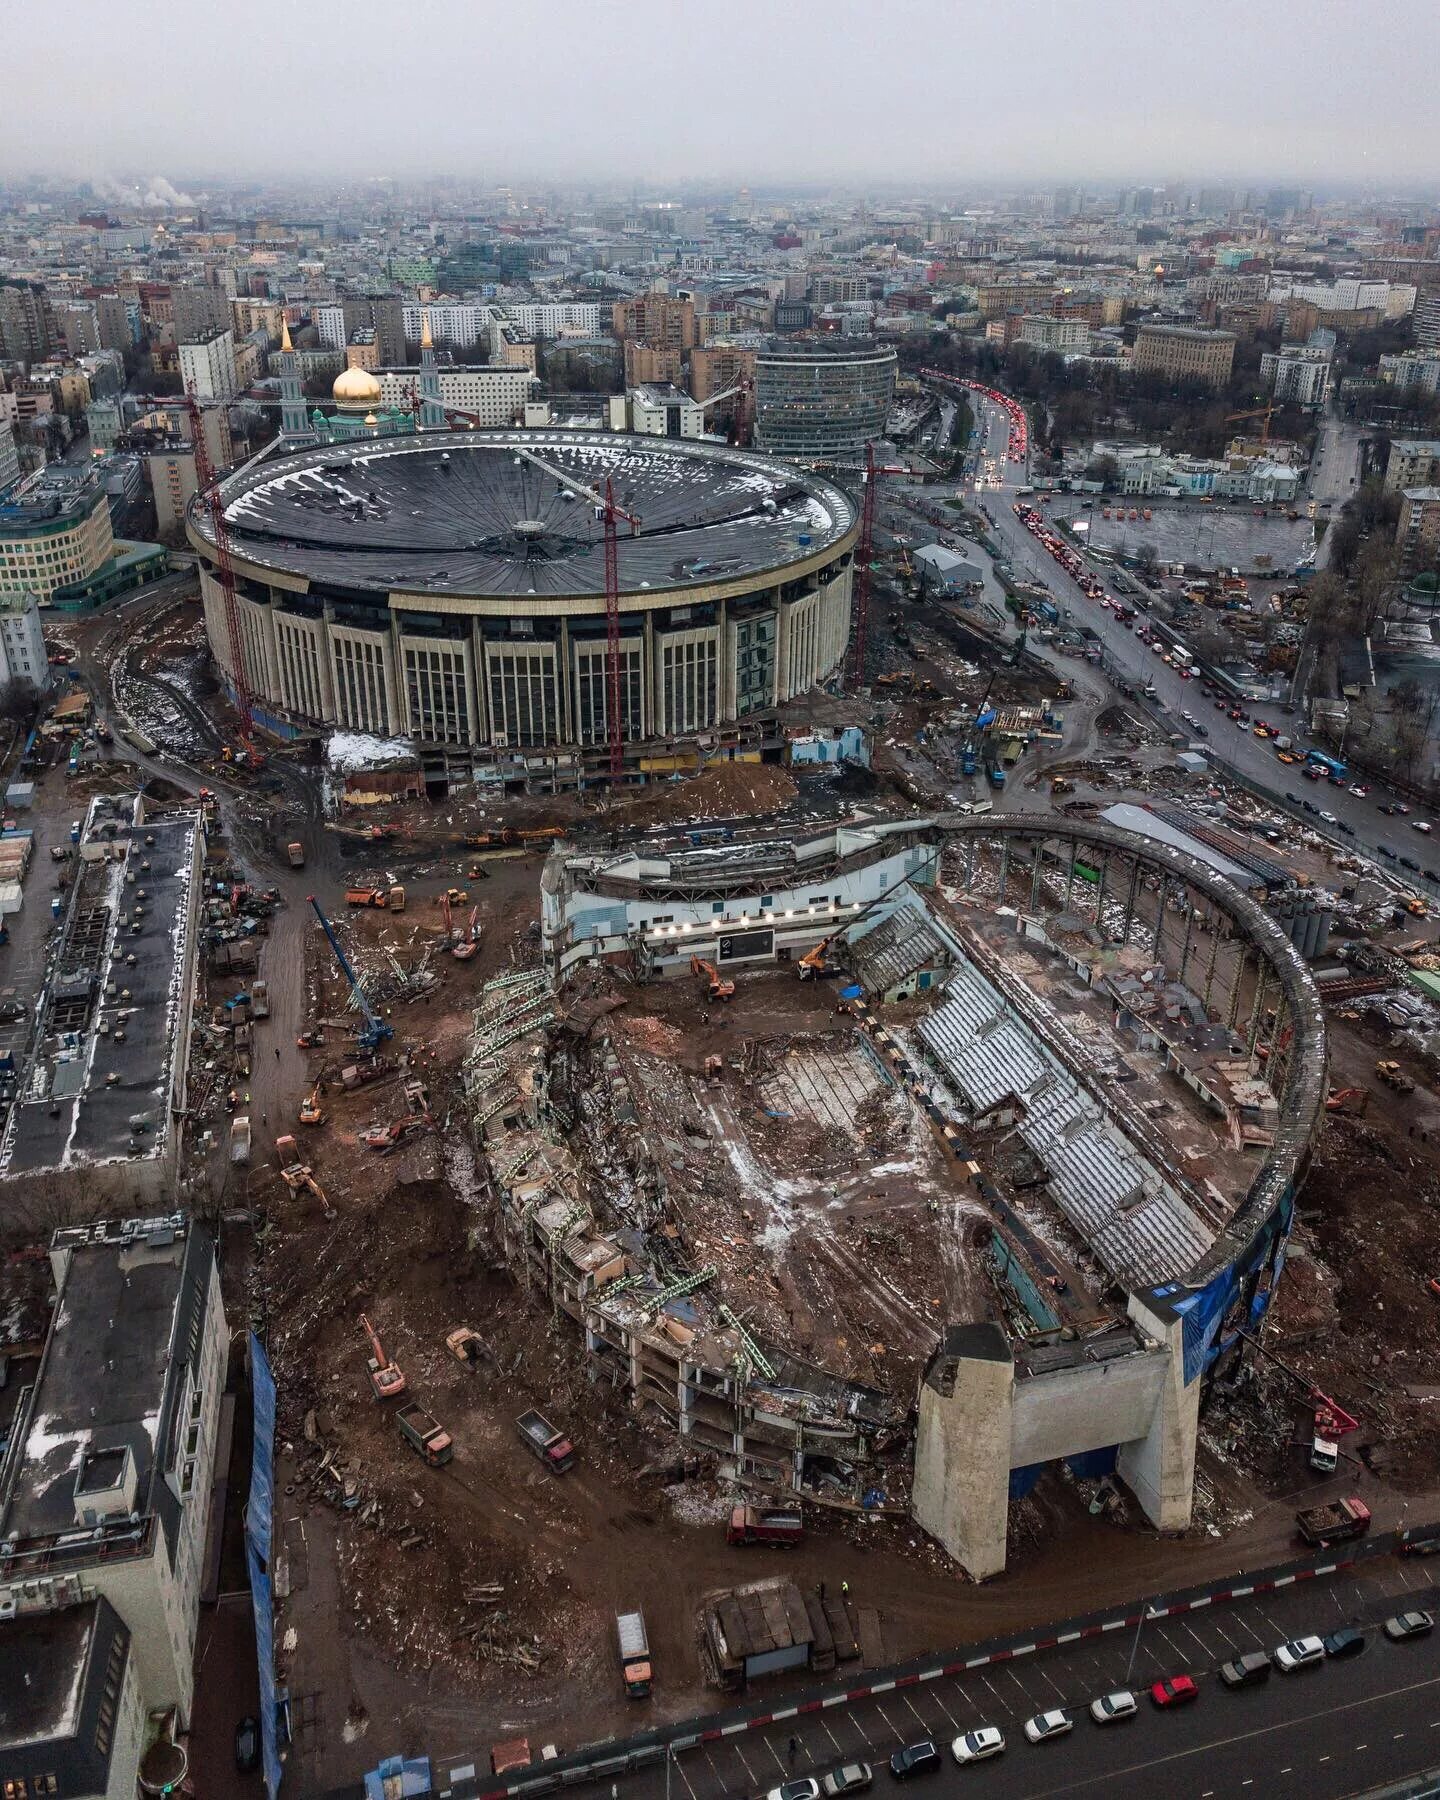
[259, 1525]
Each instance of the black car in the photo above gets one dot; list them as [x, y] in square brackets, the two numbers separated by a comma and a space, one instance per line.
[1310, 806]
[1349, 830]
[1430, 874]
[914, 1759]
[1201, 730]
[1389, 854]
[1345, 1642]
[1294, 799]
[247, 1745]
[1409, 862]
[1391, 809]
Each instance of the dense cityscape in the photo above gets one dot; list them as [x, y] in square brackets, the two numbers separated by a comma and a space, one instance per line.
[719, 968]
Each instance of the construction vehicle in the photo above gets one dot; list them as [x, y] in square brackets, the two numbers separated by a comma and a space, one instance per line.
[1331, 1420]
[296, 854]
[397, 897]
[1352, 1100]
[467, 1347]
[541, 1439]
[469, 941]
[757, 1525]
[310, 1040]
[376, 1030]
[299, 1177]
[813, 964]
[311, 1111]
[367, 897]
[634, 1654]
[721, 986]
[259, 1000]
[1395, 1077]
[1335, 1523]
[387, 1382]
[240, 1140]
[1417, 908]
[425, 1435]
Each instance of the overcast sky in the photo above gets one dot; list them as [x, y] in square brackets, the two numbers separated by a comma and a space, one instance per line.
[934, 93]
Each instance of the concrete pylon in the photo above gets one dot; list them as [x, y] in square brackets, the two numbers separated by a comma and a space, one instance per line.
[961, 1491]
[1159, 1468]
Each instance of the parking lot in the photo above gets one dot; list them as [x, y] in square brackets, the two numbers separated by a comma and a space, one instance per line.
[1305, 1726]
[1210, 537]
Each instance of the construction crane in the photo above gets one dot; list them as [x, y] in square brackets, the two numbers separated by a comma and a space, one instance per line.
[744, 385]
[387, 1382]
[1259, 412]
[207, 491]
[376, 1029]
[721, 987]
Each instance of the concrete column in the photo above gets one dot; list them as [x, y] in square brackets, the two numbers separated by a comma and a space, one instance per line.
[1070, 880]
[1233, 1015]
[1185, 948]
[1100, 890]
[1004, 868]
[1214, 956]
[1130, 902]
[1256, 1014]
[961, 1490]
[1159, 1468]
[1035, 879]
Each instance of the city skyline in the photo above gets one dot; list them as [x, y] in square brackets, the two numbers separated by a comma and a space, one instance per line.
[929, 94]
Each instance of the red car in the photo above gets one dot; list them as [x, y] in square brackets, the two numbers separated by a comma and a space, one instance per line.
[1174, 1690]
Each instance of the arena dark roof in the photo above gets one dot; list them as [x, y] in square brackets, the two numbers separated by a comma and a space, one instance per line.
[464, 512]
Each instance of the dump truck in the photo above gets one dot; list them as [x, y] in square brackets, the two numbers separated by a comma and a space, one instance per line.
[260, 999]
[541, 1439]
[1333, 1524]
[634, 1654]
[296, 854]
[240, 1140]
[763, 1525]
[425, 1435]
[366, 897]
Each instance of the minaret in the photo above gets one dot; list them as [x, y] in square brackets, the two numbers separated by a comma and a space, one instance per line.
[432, 415]
[293, 422]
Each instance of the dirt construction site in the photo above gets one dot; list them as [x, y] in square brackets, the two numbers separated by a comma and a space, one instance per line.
[466, 1603]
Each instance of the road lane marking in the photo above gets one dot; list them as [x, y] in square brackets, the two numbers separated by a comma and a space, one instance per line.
[1324, 1759]
[781, 1764]
[935, 1696]
[744, 1765]
[911, 1704]
[676, 1764]
[1112, 1776]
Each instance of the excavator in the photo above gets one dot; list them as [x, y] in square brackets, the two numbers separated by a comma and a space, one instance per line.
[387, 1382]
[417, 1117]
[1352, 1100]
[469, 942]
[311, 1111]
[721, 987]
[298, 1176]
[813, 964]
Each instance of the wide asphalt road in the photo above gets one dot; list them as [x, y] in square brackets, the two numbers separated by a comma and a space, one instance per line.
[1229, 744]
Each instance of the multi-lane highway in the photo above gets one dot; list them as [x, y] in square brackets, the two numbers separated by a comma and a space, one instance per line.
[1230, 744]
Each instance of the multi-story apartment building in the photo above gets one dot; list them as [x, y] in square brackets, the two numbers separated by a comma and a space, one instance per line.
[646, 364]
[659, 320]
[27, 324]
[822, 397]
[1412, 463]
[22, 642]
[1064, 336]
[1412, 372]
[1184, 353]
[496, 393]
[57, 536]
[1299, 373]
[9, 458]
[207, 367]
[1417, 536]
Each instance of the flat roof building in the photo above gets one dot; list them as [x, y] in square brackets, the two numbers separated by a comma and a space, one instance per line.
[71, 1719]
[107, 1488]
[1184, 353]
[819, 398]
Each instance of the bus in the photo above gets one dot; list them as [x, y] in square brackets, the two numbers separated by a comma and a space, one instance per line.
[1332, 766]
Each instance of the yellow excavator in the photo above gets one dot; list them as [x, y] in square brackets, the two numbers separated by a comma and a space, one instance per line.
[311, 1111]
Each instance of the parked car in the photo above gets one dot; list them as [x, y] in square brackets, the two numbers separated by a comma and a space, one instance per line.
[1110, 1707]
[805, 1788]
[1360, 791]
[1298, 1653]
[852, 1779]
[1409, 862]
[1348, 1641]
[1389, 854]
[914, 1759]
[1409, 1625]
[1311, 807]
[1294, 799]
[1246, 1671]
[1421, 825]
[1174, 1690]
[1329, 818]
[1345, 830]
[1048, 1725]
[975, 1746]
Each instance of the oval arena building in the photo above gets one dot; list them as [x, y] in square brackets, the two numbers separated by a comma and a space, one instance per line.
[449, 586]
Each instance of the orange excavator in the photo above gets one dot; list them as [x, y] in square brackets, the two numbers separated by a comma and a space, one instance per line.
[1353, 1100]
[311, 1111]
[386, 1380]
[721, 987]
[813, 964]
[469, 941]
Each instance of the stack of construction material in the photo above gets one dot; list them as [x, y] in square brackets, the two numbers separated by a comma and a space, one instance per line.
[15, 848]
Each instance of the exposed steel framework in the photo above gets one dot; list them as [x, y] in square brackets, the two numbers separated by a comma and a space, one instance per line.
[209, 490]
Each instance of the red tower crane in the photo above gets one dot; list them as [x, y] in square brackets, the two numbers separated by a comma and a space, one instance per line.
[864, 549]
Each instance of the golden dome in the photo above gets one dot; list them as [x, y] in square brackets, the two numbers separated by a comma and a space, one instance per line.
[356, 390]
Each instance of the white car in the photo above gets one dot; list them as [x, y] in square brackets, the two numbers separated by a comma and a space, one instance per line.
[1421, 825]
[1299, 1653]
[805, 1788]
[975, 1746]
[1054, 1724]
[1110, 1707]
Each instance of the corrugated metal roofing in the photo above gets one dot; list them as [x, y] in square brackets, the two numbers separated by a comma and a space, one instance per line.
[1138, 1226]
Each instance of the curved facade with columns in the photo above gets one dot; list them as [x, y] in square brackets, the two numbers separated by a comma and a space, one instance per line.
[449, 586]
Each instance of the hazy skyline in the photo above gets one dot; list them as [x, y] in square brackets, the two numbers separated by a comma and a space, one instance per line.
[916, 91]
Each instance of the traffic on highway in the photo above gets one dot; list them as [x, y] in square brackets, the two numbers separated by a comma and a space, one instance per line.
[1265, 743]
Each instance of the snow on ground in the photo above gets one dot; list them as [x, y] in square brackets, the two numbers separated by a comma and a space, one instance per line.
[349, 751]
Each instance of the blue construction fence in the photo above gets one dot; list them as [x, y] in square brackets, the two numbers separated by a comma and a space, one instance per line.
[259, 1527]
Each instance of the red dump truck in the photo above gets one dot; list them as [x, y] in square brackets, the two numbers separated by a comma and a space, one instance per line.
[1333, 1524]
[634, 1654]
[541, 1439]
[763, 1525]
[425, 1435]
